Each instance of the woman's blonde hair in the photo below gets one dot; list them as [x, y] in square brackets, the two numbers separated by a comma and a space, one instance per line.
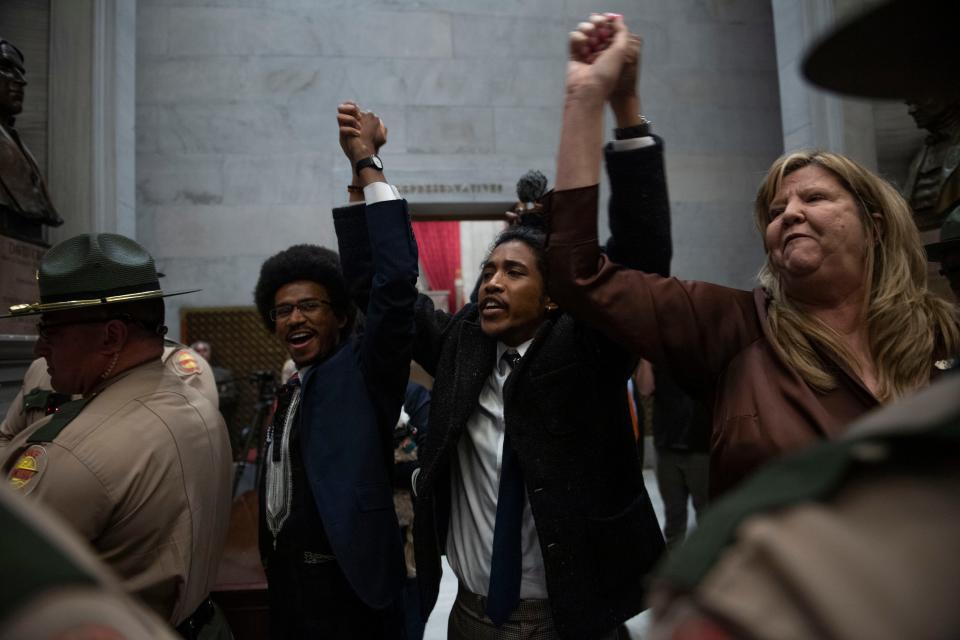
[907, 325]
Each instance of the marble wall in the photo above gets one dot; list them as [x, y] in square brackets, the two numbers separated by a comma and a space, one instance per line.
[237, 153]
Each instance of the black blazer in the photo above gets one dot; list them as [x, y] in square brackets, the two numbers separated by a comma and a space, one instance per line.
[565, 408]
[348, 409]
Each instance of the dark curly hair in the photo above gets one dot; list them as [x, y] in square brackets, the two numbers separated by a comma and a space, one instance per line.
[530, 235]
[531, 186]
[304, 262]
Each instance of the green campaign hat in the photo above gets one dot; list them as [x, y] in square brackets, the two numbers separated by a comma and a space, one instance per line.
[93, 269]
[899, 49]
[949, 238]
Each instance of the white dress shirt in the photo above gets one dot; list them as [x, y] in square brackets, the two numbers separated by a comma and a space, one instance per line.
[629, 144]
[475, 484]
[380, 192]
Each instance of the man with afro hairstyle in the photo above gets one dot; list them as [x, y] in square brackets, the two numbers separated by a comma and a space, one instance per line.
[329, 537]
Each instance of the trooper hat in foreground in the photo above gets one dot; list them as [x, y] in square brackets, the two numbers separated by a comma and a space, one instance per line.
[900, 49]
[90, 270]
[949, 238]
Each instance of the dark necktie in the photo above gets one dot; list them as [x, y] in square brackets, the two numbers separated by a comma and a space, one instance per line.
[503, 593]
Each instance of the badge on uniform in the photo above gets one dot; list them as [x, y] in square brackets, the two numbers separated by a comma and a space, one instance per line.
[185, 363]
[28, 468]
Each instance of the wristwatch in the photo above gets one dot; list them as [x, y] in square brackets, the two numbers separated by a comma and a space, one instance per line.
[369, 161]
[636, 131]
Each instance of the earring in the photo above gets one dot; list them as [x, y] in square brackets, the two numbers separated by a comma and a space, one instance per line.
[106, 374]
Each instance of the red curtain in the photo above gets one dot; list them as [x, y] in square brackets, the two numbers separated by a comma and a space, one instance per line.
[439, 247]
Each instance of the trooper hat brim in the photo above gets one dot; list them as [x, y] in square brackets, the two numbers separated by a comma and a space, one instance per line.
[36, 308]
[937, 251]
[898, 50]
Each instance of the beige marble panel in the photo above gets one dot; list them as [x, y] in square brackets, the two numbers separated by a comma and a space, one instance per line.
[308, 31]
[241, 95]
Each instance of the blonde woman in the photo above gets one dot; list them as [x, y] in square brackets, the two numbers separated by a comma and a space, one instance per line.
[841, 323]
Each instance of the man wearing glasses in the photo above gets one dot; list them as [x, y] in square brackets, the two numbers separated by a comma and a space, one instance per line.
[140, 463]
[329, 537]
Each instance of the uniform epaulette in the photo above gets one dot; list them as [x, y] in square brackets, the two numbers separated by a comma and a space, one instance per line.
[61, 418]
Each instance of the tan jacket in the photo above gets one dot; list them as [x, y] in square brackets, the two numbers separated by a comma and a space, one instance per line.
[715, 341]
[184, 361]
[78, 598]
[143, 473]
[875, 557]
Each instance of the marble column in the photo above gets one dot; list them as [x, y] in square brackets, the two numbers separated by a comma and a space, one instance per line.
[91, 160]
[812, 118]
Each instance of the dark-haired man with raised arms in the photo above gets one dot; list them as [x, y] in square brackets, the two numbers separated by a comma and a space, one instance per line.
[529, 480]
[328, 532]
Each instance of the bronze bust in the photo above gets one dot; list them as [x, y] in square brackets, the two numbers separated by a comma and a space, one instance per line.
[24, 202]
[933, 184]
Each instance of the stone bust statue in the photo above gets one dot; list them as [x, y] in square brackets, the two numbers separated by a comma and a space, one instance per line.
[933, 184]
[24, 202]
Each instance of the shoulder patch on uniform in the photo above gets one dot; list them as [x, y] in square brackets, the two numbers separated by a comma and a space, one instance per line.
[28, 468]
[186, 363]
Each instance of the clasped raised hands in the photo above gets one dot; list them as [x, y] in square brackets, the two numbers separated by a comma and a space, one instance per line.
[604, 58]
[362, 133]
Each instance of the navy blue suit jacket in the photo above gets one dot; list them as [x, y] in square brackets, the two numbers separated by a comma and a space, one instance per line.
[348, 409]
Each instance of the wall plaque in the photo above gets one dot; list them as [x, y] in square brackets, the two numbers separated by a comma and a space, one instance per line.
[19, 261]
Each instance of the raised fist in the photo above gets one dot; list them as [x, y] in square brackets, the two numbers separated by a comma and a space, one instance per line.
[362, 133]
[604, 57]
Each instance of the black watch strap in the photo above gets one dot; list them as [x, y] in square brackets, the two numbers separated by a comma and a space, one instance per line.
[370, 161]
[636, 131]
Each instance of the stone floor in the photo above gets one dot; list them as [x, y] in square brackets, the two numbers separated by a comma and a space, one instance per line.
[437, 624]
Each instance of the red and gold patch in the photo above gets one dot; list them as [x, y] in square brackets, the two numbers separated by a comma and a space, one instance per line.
[186, 363]
[28, 468]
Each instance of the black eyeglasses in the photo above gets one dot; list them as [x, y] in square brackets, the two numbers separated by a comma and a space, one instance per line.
[306, 307]
[43, 328]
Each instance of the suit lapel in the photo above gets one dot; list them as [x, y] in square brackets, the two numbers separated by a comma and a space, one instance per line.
[472, 354]
[532, 363]
[473, 365]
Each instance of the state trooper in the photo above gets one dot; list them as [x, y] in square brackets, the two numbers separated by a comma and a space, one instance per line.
[140, 463]
[37, 399]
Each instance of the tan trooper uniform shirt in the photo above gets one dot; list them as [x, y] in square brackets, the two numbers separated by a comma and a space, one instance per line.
[58, 604]
[143, 474]
[877, 558]
[184, 361]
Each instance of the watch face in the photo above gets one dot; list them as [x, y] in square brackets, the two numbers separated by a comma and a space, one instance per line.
[377, 163]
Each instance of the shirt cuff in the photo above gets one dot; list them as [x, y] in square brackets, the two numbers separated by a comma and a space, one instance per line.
[413, 481]
[380, 192]
[632, 143]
